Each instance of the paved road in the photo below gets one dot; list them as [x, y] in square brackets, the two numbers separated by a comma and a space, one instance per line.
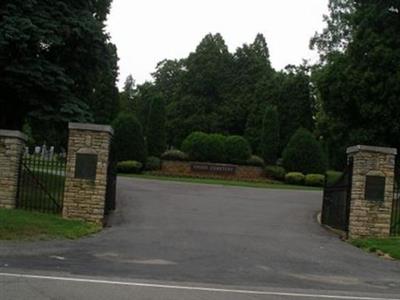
[179, 234]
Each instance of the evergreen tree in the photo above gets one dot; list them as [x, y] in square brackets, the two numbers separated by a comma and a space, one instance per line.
[269, 147]
[357, 82]
[128, 140]
[56, 63]
[156, 135]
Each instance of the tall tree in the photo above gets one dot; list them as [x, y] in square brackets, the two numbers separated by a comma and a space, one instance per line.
[358, 84]
[156, 135]
[127, 96]
[56, 62]
[270, 143]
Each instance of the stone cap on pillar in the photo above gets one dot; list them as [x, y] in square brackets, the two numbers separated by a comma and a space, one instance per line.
[91, 127]
[13, 134]
[364, 148]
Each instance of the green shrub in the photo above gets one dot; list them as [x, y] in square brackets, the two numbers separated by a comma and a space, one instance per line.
[128, 142]
[215, 150]
[196, 146]
[314, 180]
[153, 163]
[269, 145]
[294, 178]
[174, 155]
[255, 161]
[332, 177]
[129, 167]
[156, 132]
[275, 172]
[237, 149]
[304, 154]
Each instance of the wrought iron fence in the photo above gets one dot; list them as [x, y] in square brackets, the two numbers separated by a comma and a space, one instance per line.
[41, 182]
[336, 201]
[395, 224]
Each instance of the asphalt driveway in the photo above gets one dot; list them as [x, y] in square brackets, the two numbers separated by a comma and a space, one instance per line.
[212, 235]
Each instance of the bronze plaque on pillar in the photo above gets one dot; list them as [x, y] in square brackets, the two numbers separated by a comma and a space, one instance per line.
[375, 188]
[86, 166]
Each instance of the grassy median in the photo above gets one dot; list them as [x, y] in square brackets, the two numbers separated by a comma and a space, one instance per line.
[24, 225]
[390, 246]
[267, 184]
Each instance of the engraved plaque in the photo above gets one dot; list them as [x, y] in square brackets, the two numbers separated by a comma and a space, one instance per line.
[375, 188]
[213, 168]
[86, 166]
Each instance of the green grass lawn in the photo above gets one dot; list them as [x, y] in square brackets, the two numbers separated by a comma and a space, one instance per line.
[24, 225]
[389, 246]
[266, 185]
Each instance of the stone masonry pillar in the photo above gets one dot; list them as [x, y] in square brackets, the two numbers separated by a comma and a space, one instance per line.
[86, 172]
[12, 145]
[371, 191]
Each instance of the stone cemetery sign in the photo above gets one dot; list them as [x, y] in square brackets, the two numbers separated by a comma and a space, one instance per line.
[213, 168]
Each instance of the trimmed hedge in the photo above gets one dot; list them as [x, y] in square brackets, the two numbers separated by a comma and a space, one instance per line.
[333, 177]
[215, 147]
[255, 161]
[153, 163]
[196, 146]
[315, 180]
[295, 178]
[175, 155]
[237, 149]
[304, 154]
[129, 167]
[275, 172]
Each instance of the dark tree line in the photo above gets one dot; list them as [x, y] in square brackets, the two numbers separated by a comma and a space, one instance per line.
[215, 91]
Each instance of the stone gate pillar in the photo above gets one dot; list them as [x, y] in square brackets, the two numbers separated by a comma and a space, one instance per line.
[86, 172]
[12, 145]
[371, 191]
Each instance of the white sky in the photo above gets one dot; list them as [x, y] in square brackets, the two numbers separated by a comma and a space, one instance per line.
[148, 31]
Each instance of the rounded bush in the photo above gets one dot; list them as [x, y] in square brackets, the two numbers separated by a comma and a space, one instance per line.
[275, 172]
[129, 167]
[237, 149]
[128, 142]
[196, 146]
[314, 180]
[255, 161]
[153, 163]
[174, 155]
[333, 177]
[295, 178]
[215, 150]
[304, 154]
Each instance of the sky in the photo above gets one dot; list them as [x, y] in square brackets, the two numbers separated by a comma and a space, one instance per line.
[149, 31]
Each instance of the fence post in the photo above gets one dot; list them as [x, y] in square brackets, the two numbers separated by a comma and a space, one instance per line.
[12, 145]
[86, 172]
[371, 191]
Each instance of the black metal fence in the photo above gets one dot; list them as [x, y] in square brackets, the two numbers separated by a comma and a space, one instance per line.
[111, 183]
[41, 183]
[336, 201]
[395, 224]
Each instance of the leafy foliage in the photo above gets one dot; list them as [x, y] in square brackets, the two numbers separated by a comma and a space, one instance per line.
[304, 154]
[129, 167]
[153, 163]
[195, 145]
[128, 141]
[269, 147]
[174, 155]
[237, 149]
[56, 64]
[156, 135]
[275, 172]
[255, 161]
[295, 178]
[357, 82]
[317, 180]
